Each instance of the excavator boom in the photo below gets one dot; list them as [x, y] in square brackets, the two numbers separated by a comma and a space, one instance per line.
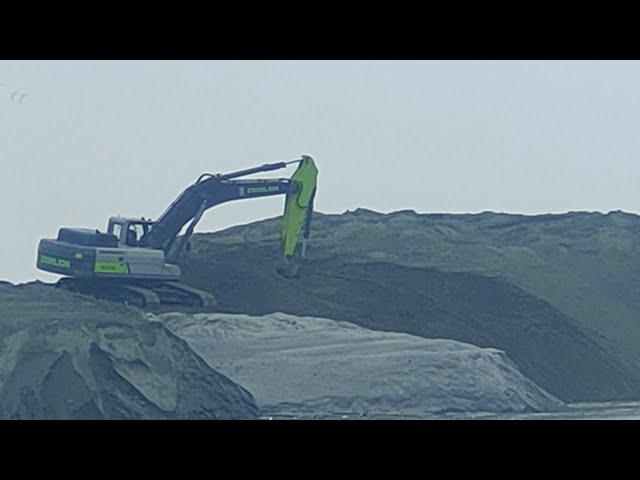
[211, 190]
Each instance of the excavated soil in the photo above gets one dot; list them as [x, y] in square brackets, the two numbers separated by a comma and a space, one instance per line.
[67, 356]
[548, 346]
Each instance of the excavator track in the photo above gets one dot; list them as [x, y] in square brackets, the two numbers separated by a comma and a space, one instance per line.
[144, 295]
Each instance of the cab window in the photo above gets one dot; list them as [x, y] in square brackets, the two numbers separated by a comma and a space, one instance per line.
[116, 229]
[134, 234]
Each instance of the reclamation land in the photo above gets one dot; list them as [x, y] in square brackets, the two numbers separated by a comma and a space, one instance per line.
[399, 315]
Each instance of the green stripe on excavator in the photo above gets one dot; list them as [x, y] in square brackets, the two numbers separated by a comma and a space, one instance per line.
[297, 204]
[111, 267]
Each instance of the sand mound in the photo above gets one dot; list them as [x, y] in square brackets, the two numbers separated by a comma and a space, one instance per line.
[66, 356]
[306, 367]
[555, 292]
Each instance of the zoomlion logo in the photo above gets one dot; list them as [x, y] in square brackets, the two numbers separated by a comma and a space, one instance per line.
[272, 188]
[55, 262]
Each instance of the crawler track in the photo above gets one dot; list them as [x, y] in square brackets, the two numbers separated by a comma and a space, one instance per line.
[148, 295]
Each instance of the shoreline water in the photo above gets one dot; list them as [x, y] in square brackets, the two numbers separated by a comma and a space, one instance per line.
[617, 410]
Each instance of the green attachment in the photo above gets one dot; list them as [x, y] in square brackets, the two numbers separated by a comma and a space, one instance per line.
[298, 205]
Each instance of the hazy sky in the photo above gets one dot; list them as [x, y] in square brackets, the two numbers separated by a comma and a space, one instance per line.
[95, 139]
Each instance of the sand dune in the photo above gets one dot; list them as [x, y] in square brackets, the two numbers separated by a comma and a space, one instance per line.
[315, 367]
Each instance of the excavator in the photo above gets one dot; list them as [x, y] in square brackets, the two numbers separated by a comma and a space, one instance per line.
[135, 260]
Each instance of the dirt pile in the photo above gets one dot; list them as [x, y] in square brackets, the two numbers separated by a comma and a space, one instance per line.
[355, 272]
[306, 367]
[66, 356]
[585, 264]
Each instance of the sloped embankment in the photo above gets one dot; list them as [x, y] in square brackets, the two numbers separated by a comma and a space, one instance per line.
[309, 367]
[547, 345]
[585, 264]
[66, 356]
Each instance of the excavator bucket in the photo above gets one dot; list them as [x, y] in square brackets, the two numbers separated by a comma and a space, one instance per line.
[297, 214]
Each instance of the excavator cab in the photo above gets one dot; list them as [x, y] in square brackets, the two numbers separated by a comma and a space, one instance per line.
[129, 231]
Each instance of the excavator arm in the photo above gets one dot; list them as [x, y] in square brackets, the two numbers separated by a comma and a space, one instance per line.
[298, 210]
[211, 190]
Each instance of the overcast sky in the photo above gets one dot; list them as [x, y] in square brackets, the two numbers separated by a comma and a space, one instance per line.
[95, 139]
